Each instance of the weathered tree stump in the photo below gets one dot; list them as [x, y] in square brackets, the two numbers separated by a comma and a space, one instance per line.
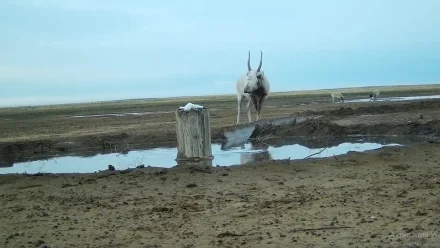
[193, 136]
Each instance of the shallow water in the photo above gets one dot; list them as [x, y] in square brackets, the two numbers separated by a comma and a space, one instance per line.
[120, 115]
[165, 157]
[394, 99]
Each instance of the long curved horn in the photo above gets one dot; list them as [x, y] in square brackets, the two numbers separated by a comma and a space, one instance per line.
[249, 61]
[261, 61]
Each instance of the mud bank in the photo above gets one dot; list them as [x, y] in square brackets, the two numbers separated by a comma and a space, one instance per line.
[123, 143]
[13, 152]
[329, 125]
[320, 128]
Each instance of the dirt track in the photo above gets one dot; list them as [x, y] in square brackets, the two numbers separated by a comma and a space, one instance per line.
[383, 198]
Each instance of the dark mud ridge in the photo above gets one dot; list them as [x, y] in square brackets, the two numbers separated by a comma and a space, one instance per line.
[321, 127]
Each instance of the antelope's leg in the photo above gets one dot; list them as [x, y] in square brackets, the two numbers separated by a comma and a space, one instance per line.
[255, 103]
[239, 101]
[260, 105]
[248, 107]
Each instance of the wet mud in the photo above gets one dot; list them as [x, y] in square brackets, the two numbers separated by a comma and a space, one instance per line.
[387, 198]
[382, 198]
[123, 142]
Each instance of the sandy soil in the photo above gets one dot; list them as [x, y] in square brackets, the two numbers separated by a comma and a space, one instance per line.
[383, 198]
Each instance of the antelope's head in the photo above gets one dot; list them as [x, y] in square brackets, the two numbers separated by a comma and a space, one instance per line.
[254, 78]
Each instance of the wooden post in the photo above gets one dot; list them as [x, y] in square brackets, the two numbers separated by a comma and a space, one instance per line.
[193, 136]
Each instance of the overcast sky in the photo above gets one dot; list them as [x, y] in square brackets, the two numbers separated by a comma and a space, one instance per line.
[54, 51]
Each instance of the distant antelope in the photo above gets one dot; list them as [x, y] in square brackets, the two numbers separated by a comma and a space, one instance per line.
[375, 95]
[337, 95]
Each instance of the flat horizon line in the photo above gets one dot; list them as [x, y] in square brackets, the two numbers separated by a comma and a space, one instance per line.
[322, 91]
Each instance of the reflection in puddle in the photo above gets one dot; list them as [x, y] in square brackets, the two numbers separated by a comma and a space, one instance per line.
[394, 99]
[165, 157]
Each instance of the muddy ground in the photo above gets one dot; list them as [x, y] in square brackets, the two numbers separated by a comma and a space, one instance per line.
[383, 198]
[38, 134]
[386, 198]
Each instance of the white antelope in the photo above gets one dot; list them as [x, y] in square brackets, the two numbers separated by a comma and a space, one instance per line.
[337, 95]
[254, 86]
[375, 95]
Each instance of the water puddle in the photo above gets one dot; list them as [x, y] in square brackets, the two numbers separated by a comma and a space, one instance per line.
[122, 114]
[394, 99]
[297, 148]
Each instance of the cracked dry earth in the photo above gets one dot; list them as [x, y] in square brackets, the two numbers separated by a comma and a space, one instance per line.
[383, 198]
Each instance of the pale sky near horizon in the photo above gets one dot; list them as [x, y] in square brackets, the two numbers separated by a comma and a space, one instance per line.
[56, 51]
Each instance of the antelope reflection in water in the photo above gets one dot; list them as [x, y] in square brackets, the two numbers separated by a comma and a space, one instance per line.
[248, 157]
